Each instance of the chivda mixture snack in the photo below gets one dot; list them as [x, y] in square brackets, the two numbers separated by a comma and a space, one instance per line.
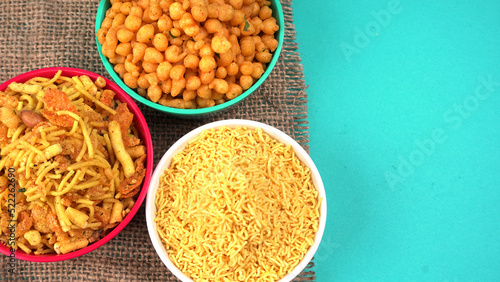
[71, 162]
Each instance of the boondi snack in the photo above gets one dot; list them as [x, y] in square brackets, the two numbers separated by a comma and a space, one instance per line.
[236, 205]
[63, 178]
[189, 53]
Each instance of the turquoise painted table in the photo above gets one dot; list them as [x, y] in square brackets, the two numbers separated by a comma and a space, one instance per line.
[404, 100]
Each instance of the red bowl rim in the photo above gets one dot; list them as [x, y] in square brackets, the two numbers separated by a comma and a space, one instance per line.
[142, 128]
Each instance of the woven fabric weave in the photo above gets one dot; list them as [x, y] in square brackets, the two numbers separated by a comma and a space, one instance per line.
[48, 33]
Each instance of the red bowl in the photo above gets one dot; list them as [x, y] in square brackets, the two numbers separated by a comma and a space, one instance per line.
[142, 128]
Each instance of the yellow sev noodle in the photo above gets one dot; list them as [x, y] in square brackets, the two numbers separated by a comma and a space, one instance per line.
[236, 205]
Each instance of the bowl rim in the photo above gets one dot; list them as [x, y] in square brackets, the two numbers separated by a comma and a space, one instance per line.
[233, 123]
[193, 113]
[143, 130]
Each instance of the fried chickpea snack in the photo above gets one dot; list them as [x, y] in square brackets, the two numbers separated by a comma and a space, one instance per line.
[189, 53]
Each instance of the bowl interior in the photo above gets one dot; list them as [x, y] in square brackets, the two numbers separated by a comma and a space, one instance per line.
[191, 113]
[144, 133]
[181, 144]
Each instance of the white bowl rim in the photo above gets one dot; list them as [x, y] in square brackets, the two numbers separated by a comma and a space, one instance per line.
[180, 144]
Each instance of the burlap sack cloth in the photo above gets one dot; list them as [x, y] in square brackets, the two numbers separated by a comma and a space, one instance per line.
[37, 33]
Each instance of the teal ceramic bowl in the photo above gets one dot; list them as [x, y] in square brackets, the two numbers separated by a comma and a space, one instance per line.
[192, 113]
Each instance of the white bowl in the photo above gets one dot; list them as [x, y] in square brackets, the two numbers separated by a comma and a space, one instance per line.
[232, 123]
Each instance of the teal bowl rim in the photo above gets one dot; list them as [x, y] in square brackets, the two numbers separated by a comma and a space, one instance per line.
[277, 13]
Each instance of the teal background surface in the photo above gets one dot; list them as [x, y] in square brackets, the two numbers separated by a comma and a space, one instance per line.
[404, 127]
